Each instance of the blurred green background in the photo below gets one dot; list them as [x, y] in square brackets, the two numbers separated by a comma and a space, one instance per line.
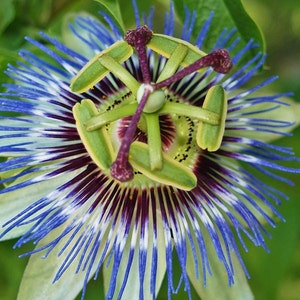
[273, 276]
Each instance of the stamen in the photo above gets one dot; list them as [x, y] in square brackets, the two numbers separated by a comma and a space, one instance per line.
[110, 116]
[94, 71]
[151, 100]
[210, 136]
[139, 38]
[121, 169]
[173, 62]
[193, 112]
[219, 60]
[154, 141]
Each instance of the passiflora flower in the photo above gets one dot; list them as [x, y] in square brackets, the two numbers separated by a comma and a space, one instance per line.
[137, 155]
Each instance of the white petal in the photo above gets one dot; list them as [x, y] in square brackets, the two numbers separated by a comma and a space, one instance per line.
[37, 282]
[217, 286]
[12, 203]
[132, 289]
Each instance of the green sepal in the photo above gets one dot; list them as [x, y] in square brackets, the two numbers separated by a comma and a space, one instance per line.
[94, 71]
[166, 45]
[172, 172]
[37, 282]
[97, 142]
[210, 136]
[17, 200]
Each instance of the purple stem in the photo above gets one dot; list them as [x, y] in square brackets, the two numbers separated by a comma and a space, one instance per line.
[121, 169]
[139, 38]
[219, 60]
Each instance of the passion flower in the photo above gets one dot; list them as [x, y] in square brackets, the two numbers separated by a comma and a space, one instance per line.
[137, 153]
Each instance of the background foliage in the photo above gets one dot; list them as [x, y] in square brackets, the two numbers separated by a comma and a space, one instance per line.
[273, 276]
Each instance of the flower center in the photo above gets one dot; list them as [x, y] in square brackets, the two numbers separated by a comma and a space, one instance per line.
[149, 102]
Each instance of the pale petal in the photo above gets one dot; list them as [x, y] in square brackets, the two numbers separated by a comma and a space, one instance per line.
[37, 282]
[217, 286]
[155, 268]
[14, 202]
[286, 114]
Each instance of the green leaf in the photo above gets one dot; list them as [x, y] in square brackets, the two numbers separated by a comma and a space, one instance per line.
[126, 18]
[6, 57]
[7, 14]
[113, 7]
[282, 263]
[38, 12]
[227, 14]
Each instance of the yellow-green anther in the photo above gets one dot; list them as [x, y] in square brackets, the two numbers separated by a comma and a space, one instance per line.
[110, 116]
[210, 136]
[172, 172]
[97, 142]
[120, 72]
[154, 141]
[166, 45]
[94, 71]
[173, 62]
[193, 112]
